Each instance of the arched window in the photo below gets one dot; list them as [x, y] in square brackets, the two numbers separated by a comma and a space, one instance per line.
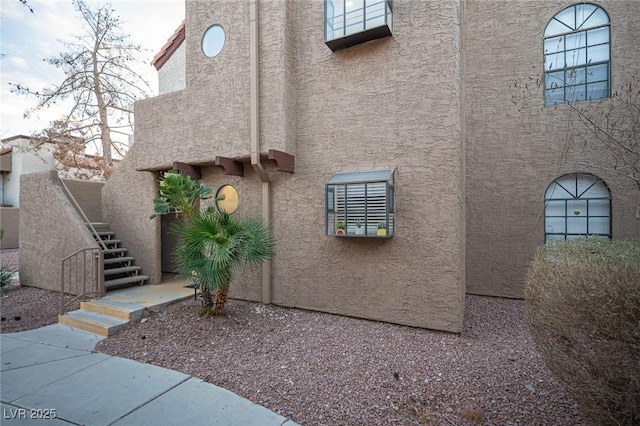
[577, 55]
[577, 205]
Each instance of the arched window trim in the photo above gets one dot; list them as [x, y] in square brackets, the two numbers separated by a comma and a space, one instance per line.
[580, 77]
[574, 194]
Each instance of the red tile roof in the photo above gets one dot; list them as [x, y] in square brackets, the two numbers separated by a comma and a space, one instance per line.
[6, 150]
[170, 47]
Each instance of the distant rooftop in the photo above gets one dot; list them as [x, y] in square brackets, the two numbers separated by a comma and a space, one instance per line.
[170, 47]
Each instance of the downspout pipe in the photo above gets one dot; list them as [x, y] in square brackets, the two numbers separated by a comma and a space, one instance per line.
[255, 138]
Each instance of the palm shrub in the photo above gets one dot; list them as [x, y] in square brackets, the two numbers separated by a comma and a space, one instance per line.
[583, 308]
[217, 246]
[212, 245]
[181, 195]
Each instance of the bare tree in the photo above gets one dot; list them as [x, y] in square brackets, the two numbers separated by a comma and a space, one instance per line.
[611, 129]
[26, 4]
[98, 78]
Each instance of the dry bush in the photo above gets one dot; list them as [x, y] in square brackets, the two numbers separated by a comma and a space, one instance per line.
[473, 415]
[583, 307]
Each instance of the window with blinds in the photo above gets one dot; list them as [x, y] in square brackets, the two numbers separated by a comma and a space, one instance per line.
[360, 204]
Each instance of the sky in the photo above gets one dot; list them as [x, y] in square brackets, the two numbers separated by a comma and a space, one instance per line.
[27, 38]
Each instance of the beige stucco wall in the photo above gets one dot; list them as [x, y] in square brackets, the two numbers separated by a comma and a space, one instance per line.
[127, 203]
[171, 77]
[50, 230]
[10, 222]
[389, 104]
[514, 148]
[89, 197]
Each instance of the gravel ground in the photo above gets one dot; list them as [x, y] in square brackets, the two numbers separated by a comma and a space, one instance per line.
[25, 308]
[321, 369]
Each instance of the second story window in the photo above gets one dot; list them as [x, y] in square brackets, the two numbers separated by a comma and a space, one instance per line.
[351, 22]
[577, 55]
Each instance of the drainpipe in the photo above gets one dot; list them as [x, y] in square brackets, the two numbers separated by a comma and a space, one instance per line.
[255, 138]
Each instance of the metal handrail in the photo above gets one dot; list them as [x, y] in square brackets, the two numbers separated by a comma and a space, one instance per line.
[86, 266]
[81, 212]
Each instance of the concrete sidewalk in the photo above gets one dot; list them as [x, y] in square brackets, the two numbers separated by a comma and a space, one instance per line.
[51, 376]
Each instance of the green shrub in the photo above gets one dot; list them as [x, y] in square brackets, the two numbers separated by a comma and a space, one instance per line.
[583, 307]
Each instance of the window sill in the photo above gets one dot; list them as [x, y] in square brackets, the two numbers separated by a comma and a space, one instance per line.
[359, 38]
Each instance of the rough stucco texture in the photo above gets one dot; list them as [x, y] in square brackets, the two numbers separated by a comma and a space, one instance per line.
[171, 77]
[50, 230]
[89, 197]
[127, 200]
[376, 106]
[387, 104]
[514, 144]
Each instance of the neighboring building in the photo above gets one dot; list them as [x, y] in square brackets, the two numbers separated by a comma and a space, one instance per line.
[322, 121]
[21, 155]
[171, 62]
[27, 154]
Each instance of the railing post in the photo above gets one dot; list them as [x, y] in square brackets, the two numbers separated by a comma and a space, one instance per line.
[62, 289]
[92, 275]
[84, 274]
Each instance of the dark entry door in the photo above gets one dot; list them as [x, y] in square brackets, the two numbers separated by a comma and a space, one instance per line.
[168, 243]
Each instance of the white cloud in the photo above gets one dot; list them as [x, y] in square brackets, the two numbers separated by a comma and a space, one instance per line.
[18, 62]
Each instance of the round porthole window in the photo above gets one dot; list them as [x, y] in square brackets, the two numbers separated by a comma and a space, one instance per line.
[213, 40]
[228, 199]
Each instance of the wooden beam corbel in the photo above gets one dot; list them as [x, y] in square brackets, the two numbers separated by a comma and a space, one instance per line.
[188, 169]
[230, 166]
[284, 162]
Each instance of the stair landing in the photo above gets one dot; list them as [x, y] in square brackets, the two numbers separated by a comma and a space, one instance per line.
[105, 316]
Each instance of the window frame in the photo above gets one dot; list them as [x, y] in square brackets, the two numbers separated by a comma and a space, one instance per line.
[367, 33]
[575, 193]
[369, 196]
[570, 93]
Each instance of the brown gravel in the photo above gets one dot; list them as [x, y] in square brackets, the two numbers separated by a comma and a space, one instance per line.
[321, 369]
[26, 308]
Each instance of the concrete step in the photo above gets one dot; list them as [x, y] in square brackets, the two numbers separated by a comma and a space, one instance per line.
[129, 311]
[136, 279]
[107, 315]
[123, 270]
[112, 242]
[93, 322]
[115, 260]
[106, 233]
[100, 226]
[115, 250]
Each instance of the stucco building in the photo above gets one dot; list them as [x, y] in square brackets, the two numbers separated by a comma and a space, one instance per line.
[21, 155]
[407, 114]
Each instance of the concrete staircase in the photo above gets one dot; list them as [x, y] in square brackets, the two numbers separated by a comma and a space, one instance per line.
[119, 269]
[106, 316]
[103, 316]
